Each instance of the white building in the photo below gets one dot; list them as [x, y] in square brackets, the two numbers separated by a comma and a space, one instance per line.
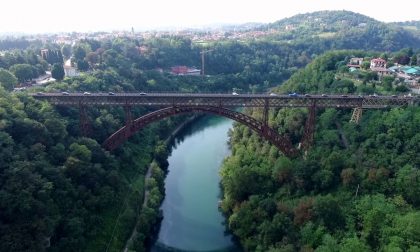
[70, 71]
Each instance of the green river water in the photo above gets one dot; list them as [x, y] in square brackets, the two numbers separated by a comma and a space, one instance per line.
[192, 220]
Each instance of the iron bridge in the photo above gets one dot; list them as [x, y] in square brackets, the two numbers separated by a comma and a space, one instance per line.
[170, 104]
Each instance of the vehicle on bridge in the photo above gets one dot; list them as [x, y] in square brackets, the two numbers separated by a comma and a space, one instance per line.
[171, 104]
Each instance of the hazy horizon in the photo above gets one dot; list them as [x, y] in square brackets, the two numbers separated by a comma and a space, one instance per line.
[48, 16]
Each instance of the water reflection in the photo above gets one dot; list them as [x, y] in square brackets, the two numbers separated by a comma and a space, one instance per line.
[192, 220]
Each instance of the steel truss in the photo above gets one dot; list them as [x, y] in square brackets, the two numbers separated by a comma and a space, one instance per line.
[282, 142]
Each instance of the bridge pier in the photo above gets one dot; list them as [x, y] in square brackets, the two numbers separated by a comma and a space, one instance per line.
[265, 112]
[308, 135]
[221, 104]
[357, 115]
[128, 120]
[84, 124]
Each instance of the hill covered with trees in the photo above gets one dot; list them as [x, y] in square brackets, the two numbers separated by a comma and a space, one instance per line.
[356, 189]
[344, 30]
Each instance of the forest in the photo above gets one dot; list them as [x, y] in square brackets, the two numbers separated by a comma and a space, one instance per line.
[345, 30]
[357, 188]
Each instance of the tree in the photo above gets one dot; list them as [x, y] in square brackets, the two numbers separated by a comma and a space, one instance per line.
[57, 71]
[66, 51]
[348, 176]
[7, 79]
[408, 183]
[387, 82]
[328, 209]
[414, 60]
[23, 72]
[54, 56]
[365, 65]
[329, 244]
[354, 244]
[79, 53]
[82, 65]
[92, 58]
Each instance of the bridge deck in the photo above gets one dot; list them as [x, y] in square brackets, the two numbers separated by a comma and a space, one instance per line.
[225, 100]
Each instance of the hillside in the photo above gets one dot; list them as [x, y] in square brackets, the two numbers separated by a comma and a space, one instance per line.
[356, 189]
[412, 26]
[344, 30]
[328, 20]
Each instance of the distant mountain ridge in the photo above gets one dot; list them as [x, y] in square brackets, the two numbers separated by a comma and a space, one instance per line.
[329, 18]
[346, 30]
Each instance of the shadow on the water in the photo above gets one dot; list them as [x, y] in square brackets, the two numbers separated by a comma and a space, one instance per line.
[202, 123]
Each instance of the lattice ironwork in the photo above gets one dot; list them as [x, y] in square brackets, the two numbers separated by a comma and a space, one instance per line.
[308, 135]
[128, 117]
[176, 103]
[84, 124]
[357, 115]
[282, 142]
[227, 100]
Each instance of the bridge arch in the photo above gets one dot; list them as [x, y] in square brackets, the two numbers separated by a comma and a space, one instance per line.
[131, 127]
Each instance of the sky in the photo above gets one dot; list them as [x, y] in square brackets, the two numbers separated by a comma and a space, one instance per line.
[39, 16]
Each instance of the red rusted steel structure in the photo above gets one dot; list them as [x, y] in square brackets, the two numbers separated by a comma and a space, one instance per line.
[170, 104]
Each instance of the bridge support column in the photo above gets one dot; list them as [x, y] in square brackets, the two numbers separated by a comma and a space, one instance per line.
[128, 120]
[357, 115]
[264, 127]
[84, 124]
[308, 136]
[265, 112]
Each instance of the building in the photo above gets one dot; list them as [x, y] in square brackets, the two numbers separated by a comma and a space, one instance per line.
[44, 53]
[289, 27]
[184, 70]
[382, 71]
[179, 70]
[193, 71]
[355, 62]
[377, 63]
[412, 71]
[70, 71]
[394, 69]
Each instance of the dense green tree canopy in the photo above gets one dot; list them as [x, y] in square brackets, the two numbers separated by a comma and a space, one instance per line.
[57, 71]
[23, 72]
[7, 79]
[347, 192]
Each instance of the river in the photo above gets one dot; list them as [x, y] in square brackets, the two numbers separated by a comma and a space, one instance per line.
[192, 220]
